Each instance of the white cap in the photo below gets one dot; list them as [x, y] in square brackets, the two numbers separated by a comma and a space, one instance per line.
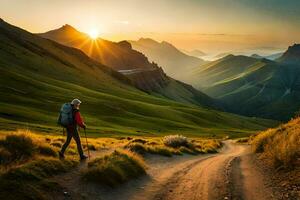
[75, 102]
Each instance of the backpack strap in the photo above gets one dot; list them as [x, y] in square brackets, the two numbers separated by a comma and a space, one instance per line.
[74, 111]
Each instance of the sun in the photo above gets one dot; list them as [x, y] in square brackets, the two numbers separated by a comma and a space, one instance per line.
[93, 33]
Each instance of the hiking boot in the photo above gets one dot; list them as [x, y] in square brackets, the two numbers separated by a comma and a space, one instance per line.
[61, 155]
[83, 157]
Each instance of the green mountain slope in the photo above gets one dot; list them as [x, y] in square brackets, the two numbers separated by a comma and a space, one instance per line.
[174, 62]
[217, 71]
[133, 64]
[254, 87]
[38, 75]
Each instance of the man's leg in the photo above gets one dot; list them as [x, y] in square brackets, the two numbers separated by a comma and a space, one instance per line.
[66, 144]
[77, 139]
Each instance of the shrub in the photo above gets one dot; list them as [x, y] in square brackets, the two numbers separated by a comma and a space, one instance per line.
[137, 148]
[210, 150]
[207, 146]
[259, 142]
[164, 151]
[139, 141]
[62, 140]
[187, 150]
[5, 156]
[91, 147]
[156, 149]
[152, 143]
[175, 141]
[243, 140]
[115, 168]
[56, 144]
[47, 150]
[20, 146]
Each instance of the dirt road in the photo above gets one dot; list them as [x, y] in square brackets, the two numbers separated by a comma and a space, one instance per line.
[226, 175]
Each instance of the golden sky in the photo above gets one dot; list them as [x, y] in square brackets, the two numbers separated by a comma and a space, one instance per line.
[207, 25]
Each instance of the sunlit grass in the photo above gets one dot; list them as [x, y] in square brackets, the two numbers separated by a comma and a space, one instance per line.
[28, 159]
[115, 168]
[280, 145]
[173, 145]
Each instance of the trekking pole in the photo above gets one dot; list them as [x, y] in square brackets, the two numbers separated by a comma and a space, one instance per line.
[87, 144]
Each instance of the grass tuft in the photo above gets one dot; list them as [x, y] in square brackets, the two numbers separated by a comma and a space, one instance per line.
[115, 168]
[137, 148]
[47, 150]
[28, 181]
[176, 141]
[20, 146]
[280, 145]
[162, 150]
[243, 140]
[39, 169]
[56, 144]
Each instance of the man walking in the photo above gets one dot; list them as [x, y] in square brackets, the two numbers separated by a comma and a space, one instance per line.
[72, 131]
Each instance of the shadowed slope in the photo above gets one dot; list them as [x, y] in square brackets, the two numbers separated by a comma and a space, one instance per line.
[174, 62]
[254, 87]
[133, 64]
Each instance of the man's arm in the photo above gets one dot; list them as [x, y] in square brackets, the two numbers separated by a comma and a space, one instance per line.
[79, 120]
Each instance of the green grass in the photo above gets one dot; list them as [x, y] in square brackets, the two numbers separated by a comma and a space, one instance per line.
[37, 76]
[251, 87]
[115, 168]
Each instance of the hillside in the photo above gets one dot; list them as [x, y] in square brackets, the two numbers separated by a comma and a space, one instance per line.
[174, 62]
[120, 56]
[254, 87]
[38, 75]
[278, 151]
[211, 73]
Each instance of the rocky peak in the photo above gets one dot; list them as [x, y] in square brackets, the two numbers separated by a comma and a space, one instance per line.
[125, 44]
[292, 55]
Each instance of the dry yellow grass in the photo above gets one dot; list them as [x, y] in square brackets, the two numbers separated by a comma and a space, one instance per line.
[115, 168]
[281, 145]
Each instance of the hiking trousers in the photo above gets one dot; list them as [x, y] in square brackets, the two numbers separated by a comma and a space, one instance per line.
[72, 132]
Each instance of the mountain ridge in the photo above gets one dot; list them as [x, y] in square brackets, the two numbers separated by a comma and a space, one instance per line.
[38, 75]
[174, 62]
[253, 87]
[145, 75]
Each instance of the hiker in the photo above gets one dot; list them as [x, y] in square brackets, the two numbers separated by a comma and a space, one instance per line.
[71, 126]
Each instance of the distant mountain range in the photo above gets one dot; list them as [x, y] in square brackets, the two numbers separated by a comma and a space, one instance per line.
[195, 53]
[270, 57]
[37, 75]
[173, 61]
[253, 86]
[120, 56]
